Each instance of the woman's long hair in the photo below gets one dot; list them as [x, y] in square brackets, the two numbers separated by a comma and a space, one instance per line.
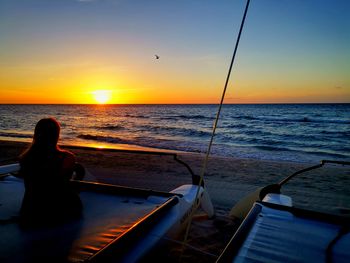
[46, 135]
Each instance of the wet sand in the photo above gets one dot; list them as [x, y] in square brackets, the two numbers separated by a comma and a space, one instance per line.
[226, 179]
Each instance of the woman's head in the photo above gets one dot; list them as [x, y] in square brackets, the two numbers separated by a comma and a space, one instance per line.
[46, 133]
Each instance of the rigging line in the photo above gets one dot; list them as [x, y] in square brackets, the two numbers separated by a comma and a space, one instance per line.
[204, 167]
[189, 247]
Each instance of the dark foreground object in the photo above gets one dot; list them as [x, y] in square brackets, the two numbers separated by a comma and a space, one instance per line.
[118, 224]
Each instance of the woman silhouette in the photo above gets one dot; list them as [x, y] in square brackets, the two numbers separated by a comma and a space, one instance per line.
[46, 170]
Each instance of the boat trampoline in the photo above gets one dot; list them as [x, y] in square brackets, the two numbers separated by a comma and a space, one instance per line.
[119, 224]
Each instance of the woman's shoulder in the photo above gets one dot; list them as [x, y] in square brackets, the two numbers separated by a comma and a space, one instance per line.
[67, 157]
[66, 153]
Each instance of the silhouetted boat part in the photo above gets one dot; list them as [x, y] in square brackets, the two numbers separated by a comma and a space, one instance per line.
[275, 231]
[119, 224]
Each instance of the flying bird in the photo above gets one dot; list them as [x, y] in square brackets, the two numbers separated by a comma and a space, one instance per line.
[157, 57]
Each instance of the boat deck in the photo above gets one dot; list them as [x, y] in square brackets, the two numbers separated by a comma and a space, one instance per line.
[276, 233]
[109, 212]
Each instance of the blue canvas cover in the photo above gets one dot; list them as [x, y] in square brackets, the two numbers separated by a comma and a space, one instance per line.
[281, 236]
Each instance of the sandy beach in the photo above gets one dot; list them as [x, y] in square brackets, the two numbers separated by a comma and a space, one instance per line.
[226, 179]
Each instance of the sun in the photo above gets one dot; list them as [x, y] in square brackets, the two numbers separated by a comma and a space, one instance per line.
[102, 96]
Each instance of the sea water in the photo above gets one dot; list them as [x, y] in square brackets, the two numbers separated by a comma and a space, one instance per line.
[284, 132]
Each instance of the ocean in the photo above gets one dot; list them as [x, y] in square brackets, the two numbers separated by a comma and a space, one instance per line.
[281, 132]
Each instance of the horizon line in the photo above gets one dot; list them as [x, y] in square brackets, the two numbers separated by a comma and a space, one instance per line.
[121, 104]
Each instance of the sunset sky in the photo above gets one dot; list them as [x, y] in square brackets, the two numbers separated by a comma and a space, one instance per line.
[103, 51]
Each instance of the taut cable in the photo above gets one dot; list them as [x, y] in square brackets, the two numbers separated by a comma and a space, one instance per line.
[205, 163]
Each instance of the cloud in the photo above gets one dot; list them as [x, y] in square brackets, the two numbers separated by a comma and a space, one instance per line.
[338, 87]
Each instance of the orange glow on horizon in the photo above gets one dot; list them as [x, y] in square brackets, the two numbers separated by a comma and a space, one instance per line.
[151, 87]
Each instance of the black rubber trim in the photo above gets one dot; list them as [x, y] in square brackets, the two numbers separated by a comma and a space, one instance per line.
[118, 248]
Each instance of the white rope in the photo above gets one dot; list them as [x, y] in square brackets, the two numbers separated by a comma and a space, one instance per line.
[190, 247]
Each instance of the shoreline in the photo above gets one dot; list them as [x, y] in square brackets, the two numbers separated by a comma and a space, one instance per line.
[227, 179]
[134, 147]
[101, 145]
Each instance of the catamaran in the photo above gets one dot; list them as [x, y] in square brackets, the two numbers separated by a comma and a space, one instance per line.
[276, 231]
[119, 223]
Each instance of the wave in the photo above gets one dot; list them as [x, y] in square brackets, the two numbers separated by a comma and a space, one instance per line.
[234, 126]
[136, 116]
[101, 138]
[338, 133]
[16, 135]
[110, 127]
[300, 119]
[175, 130]
[185, 117]
[334, 155]
[272, 148]
[247, 118]
[196, 117]
[315, 152]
